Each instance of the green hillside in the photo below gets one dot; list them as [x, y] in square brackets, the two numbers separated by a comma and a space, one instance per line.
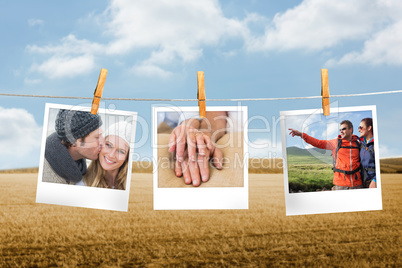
[298, 156]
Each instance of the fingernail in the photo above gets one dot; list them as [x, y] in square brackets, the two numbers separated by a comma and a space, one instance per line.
[219, 164]
[193, 158]
[187, 181]
[204, 178]
[195, 183]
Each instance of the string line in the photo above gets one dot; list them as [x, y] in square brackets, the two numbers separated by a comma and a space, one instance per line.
[246, 99]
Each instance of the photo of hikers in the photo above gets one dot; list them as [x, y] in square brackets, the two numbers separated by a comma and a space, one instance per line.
[200, 152]
[331, 153]
[76, 138]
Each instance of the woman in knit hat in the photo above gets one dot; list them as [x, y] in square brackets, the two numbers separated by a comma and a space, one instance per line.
[110, 169]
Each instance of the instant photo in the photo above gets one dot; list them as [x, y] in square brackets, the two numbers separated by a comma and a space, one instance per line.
[331, 163]
[200, 163]
[86, 159]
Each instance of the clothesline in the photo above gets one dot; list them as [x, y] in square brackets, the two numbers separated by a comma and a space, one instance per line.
[246, 99]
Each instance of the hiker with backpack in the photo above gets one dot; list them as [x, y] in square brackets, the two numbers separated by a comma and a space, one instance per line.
[346, 153]
[367, 158]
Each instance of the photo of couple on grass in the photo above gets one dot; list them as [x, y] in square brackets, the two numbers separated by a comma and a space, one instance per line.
[326, 160]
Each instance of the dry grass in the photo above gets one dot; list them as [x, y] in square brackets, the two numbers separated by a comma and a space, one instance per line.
[20, 170]
[391, 165]
[265, 165]
[48, 235]
[255, 166]
[142, 167]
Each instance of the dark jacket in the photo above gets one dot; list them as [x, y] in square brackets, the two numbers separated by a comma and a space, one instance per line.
[367, 160]
[59, 166]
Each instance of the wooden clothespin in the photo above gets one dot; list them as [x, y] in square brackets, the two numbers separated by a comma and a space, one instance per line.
[201, 93]
[98, 91]
[325, 91]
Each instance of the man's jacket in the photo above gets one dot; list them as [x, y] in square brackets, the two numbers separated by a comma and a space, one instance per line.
[347, 159]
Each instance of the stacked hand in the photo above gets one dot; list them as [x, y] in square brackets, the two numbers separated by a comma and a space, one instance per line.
[193, 150]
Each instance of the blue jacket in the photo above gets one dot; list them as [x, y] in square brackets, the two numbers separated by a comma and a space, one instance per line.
[367, 158]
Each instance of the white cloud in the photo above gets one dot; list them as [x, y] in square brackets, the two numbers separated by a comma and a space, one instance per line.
[296, 122]
[387, 152]
[31, 81]
[149, 70]
[317, 24]
[175, 31]
[332, 130]
[229, 54]
[72, 57]
[179, 26]
[264, 148]
[19, 134]
[65, 66]
[34, 22]
[384, 48]
[68, 45]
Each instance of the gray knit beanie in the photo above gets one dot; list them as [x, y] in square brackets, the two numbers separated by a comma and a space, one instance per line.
[72, 125]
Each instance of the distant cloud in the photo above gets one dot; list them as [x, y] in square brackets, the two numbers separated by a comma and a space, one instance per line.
[264, 148]
[60, 67]
[150, 71]
[296, 122]
[385, 47]
[34, 22]
[69, 45]
[315, 25]
[177, 27]
[19, 134]
[387, 152]
[31, 81]
[332, 130]
[175, 31]
[72, 57]
[229, 54]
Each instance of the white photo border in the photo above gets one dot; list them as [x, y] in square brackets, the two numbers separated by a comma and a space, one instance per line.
[200, 197]
[332, 201]
[84, 196]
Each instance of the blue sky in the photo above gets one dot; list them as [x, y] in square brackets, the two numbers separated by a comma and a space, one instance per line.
[322, 127]
[153, 49]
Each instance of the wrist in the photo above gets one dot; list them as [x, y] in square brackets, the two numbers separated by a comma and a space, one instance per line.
[192, 123]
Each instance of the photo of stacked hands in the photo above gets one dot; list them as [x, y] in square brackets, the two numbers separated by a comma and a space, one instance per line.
[201, 152]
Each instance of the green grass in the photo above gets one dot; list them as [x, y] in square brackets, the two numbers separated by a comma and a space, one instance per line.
[307, 173]
[309, 178]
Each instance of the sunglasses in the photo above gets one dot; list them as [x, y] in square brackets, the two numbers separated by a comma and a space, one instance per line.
[360, 127]
[343, 129]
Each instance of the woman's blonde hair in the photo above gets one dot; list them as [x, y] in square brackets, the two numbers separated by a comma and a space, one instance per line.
[95, 176]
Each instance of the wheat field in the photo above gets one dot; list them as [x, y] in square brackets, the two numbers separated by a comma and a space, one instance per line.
[42, 235]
